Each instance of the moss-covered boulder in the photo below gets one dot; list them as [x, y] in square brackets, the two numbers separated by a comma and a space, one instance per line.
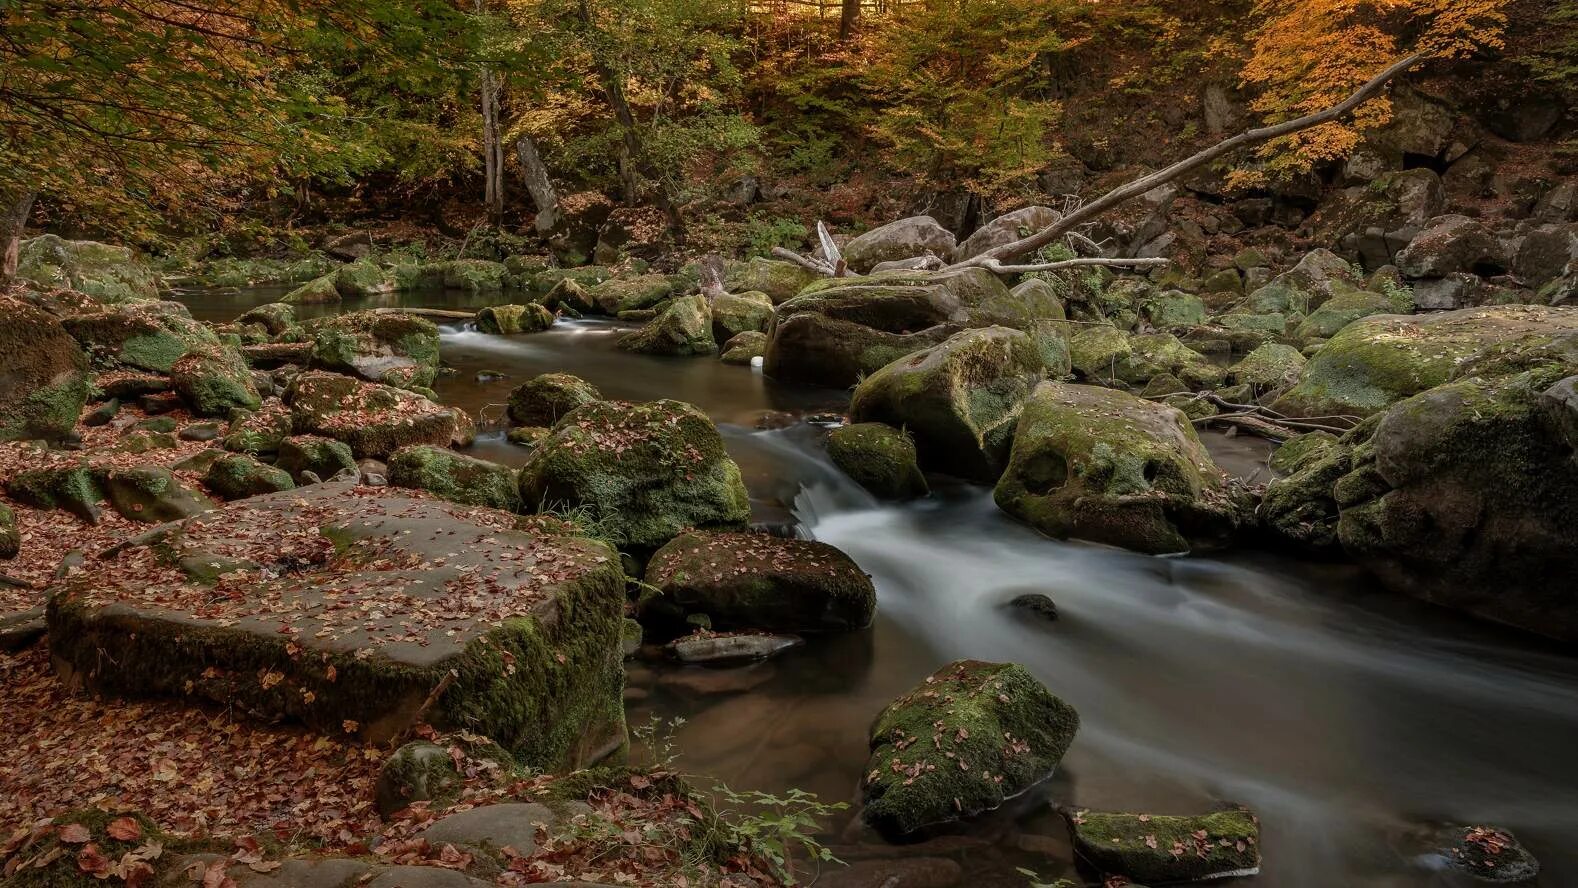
[959, 400]
[274, 317]
[318, 291]
[374, 420]
[879, 457]
[1110, 356]
[152, 494]
[841, 329]
[570, 297]
[511, 319]
[584, 276]
[1164, 849]
[389, 347]
[743, 349]
[1300, 450]
[72, 488]
[682, 329]
[214, 382]
[363, 278]
[1346, 307]
[398, 608]
[733, 314]
[971, 736]
[43, 374]
[780, 280]
[1271, 367]
[544, 400]
[106, 272]
[260, 431]
[237, 476]
[10, 534]
[1102, 465]
[1172, 310]
[323, 457]
[757, 581]
[1377, 361]
[899, 239]
[1005, 229]
[455, 477]
[615, 295]
[1317, 277]
[470, 276]
[645, 472]
[148, 336]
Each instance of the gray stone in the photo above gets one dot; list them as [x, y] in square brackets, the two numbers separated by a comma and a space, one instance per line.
[509, 824]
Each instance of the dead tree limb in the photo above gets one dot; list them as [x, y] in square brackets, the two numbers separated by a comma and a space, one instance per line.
[999, 268]
[1122, 194]
[815, 265]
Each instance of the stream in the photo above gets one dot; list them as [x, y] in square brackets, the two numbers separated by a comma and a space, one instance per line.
[1343, 715]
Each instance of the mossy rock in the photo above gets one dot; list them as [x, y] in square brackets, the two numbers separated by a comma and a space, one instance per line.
[757, 581]
[958, 400]
[10, 534]
[324, 457]
[645, 472]
[744, 349]
[1318, 276]
[1300, 450]
[1271, 367]
[1380, 360]
[394, 595]
[544, 400]
[377, 346]
[1110, 356]
[615, 295]
[1164, 849]
[276, 318]
[584, 276]
[74, 488]
[1102, 465]
[259, 432]
[144, 441]
[108, 273]
[511, 319]
[526, 436]
[318, 291]
[683, 329]
[455, 477]
[780, 280]
[471, 276]
[152, 494]
[900, 239]
[1046, 325]
[568, 296]
[363, 278]
[374, 420]
[148, 336]
[43, 374]
[214, 382]
[971, 736]
[1344, 308]
[237, 476]
[878, 457]
[733, 314]
[1173, 310]
[1300, 511]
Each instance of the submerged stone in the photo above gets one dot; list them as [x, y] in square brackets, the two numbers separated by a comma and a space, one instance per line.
[1157, 848]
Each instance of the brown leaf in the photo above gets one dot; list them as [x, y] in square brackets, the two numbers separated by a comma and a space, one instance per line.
[90, 860]
[75, 834]
[124, 829]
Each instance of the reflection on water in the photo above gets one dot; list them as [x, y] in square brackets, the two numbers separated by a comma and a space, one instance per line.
[1339, 713]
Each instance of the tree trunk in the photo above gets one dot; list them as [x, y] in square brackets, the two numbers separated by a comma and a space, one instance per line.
[534, 173]
[492, 149]
[14, 211]
[846, 20]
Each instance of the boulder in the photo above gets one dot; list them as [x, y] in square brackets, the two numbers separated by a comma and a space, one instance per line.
[757, 581]
[1172, 310]
[971, 736]
[1163, 849]
[900, 239]
[237, 476]
[10, 534]
[1451, 244]
[586, 277]
[1482, 854]
[214, 381]
[151, 494]
[511, 319]
[544, 400]
[1102, 465]
[73, 488]
[1545, 253]
[878, 457]
[323, 457]
[1319, 276]
[1006, 229]
[959, 400]
[148, 336]
[374, 420]
[615, 295]
[43, 374]
[568, 296]
[750, 312]
[1344, 308]
[318, 291]
[745, 348]
[1379, 360]
[259, 432]
[682, 329]
[1374, 221]
[274, 317]
[720, 650]
[840, 329]
[645, 472]
[780, 280]
[1107, 355]
[396, 349]
[345, 607]
[455, 477]
[1271, 367]
[106, 272]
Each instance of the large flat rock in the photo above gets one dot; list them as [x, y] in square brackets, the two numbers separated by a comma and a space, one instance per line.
[360, 610]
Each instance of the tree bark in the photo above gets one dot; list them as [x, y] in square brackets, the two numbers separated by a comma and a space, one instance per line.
[847, 18]
[14, 211]
[492, 149]
[534, 173]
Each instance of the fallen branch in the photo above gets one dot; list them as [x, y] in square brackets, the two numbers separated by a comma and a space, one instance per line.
[999, 268]
[442, 314]
[1122, 194]
[803, 261]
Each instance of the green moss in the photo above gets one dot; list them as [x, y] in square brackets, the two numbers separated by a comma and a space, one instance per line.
[215, 382]
[324, 457]
[49, 411]
[10, 535]
[73, 489]
[879, 458]
[968, 738]
[1270, 367]
[1298, 451]
[1165, 849]
[455, 477]
[237, 476]
[511, 319]
[319, 291]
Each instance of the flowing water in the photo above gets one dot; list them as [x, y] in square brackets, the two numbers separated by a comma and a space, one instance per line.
[1345, 716]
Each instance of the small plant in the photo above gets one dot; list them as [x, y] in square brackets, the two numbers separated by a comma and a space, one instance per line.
[762, 233]
[1035, 880]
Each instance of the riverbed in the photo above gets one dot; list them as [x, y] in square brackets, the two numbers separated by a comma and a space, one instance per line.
[1343, 715]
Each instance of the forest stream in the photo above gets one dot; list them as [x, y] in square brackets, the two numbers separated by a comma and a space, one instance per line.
[1346, 717]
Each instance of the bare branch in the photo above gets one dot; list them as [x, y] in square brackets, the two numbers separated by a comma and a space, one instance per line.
[812, 264]
[999, 268]
[830, 250]
[1137, 187]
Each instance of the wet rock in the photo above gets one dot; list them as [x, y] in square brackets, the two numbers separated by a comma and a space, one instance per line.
[106, 272]
[615, 295]
[757, 581]
[1483, 853]
[744, 349]
[721, 649]
[733, 314]
[395, 349]
[375, 420]
[528, 624]
[780, 280]
[1004, 230]
[683, 328]
[878, 457]
[152, 494]
[899, 239]
[1038, 603]
[971, 736]
[544, 400]
[959, 400]
[455, 477]
[1166, 849]
[645, 471]
[237, 476]
[214, 382]
[43, 374]
[319, 456]
[512, 319]
[1102, 465]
